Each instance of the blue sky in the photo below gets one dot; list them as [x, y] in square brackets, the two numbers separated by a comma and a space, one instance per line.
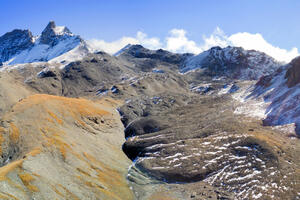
[275, 20]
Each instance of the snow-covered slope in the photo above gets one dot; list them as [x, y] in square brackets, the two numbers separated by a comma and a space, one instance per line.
[54, 42]
[280, 93]
[234, 62]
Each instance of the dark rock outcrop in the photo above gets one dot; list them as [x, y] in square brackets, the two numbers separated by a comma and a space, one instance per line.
[293, 73]
[14, 42]
[51, 37]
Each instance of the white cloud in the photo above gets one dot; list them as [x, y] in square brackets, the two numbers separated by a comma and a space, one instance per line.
[249, 42]
[151, 43]
[257, 42]
[217, 38]
[177, 41]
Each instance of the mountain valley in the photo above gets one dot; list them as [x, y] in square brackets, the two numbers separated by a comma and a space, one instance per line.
[145, 124]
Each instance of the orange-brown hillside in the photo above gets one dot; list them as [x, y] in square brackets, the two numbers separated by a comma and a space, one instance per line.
[63, 148]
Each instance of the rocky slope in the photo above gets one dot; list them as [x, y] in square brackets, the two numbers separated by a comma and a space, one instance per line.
[279, 93]
[147, 124]
[60, 148]
[194, 139]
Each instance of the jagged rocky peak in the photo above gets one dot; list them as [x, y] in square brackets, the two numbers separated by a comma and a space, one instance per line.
[19, 46]
[52, 33]
[14, 42]
[234, 62]
[293, 73]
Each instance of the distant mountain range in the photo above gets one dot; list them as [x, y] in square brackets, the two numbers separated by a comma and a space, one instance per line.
[58, 44]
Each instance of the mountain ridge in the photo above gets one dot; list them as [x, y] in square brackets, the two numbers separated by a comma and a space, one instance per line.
[58, 44]
[146, 124]
[246, 64]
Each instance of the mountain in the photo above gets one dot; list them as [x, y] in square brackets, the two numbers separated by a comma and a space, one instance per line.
[233, 62]
[145, 124]
[55, 43]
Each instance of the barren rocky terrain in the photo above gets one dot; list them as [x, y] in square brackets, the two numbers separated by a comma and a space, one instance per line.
[149, 125]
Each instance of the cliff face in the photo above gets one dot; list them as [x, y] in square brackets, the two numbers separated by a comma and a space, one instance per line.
[293, 73]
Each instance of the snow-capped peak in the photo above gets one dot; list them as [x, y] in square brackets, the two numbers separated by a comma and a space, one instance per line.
[58, 30]
[53, 42]
[234, 62]
[52, 33]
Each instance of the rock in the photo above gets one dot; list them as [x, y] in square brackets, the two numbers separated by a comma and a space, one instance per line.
[233, 88]
[114, 89]
[194, 194]
[94, 60]
[47, 73]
